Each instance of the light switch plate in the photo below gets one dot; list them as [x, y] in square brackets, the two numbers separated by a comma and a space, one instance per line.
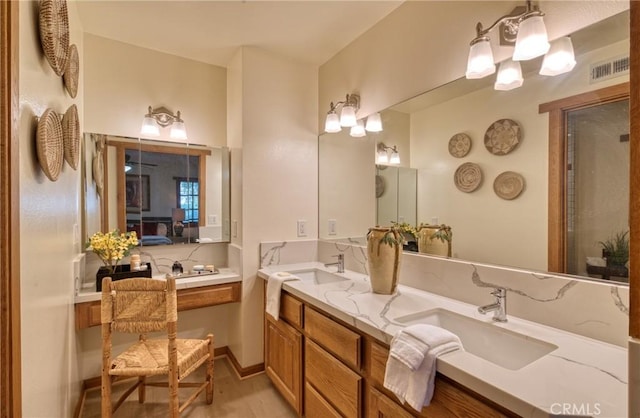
[333, 227]
[302, 228]
[212, 219]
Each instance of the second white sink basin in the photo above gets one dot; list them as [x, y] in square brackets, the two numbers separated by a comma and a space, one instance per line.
[318, 276]
[500, 346]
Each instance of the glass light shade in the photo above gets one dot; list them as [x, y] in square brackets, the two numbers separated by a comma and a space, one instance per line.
[149, 127]
[348, 116]
[480, 62]
[178, 131]
[382, 157]
[532, 39]
[395, 158]
[560, 59]
[509, 76]
[332, 123]
[358, 130]
[127, 168]
[374, 123]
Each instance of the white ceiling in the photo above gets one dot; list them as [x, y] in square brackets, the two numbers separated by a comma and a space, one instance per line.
[212, 31]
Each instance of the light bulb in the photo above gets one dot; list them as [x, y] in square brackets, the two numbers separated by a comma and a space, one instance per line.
[348, 116]
[149, 127]
[178, 131]
[532, 39]
[480, 62]
[395, 158]
[332, 123]
[374, 123]
[358, 130]
[509, 76]
[560, 59]
[382, 157]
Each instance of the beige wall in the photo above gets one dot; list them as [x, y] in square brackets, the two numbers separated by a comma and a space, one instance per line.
[48, 213]
[123, 80]
[275, 107]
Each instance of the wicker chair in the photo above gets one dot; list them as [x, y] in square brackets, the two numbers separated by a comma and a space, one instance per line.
[141, 306]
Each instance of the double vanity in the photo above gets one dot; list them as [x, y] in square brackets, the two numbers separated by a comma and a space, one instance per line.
[338, 333]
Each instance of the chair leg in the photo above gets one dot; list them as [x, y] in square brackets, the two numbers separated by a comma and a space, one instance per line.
[210, 371]
[106, 397]
[142, 389]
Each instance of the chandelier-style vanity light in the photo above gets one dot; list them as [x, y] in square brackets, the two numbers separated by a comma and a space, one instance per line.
[387, 155]
[348, 119]
[162, 117]
[525, 28]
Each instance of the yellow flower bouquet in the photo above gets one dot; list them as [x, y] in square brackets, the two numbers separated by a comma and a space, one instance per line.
[112, 246]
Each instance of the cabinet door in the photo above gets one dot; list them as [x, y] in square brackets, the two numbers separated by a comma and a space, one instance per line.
[283, 360]
[379, 406]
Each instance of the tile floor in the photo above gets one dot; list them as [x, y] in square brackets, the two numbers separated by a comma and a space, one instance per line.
[253, 397]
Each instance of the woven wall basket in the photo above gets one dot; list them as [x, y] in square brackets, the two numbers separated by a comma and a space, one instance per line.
[71, 136]
[50, 147]
[71, 72]
[54, 33]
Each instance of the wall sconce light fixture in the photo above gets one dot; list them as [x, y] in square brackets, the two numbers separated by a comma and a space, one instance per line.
[348, 119]
[525, 28]
[162, 117]
[387, 155]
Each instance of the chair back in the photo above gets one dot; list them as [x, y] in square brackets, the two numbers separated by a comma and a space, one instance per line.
[139, 305]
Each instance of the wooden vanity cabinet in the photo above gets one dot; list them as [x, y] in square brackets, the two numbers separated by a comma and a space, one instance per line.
[326, 368]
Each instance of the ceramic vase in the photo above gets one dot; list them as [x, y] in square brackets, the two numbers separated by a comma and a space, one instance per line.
[384, 259]
[428, 244]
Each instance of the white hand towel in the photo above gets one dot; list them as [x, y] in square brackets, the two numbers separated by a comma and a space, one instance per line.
[415, 386]
[274, 286]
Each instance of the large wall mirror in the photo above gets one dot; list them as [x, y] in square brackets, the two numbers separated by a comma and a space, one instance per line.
[169, 193]
[487, 228]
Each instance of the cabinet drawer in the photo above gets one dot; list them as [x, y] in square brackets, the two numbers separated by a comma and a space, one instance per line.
[380, 406]
[315, 406]
[291, 310]
[339, 340]
[335, 381]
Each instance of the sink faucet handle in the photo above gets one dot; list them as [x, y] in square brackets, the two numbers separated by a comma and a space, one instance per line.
[499, 292]
[340, 256]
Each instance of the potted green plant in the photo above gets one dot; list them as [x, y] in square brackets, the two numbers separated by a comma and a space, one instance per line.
[384, 248]
[616, 249]
[435, 239]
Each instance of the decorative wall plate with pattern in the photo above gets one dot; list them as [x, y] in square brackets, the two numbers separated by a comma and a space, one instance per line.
[468, 177]
[502, 137]
[459, 145]
[72, 71]
[50, 148]
[508, 185]
[54, 33]
[71, 135]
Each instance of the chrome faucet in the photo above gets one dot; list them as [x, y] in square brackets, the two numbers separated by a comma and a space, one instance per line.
[499, 307]
[339, 263]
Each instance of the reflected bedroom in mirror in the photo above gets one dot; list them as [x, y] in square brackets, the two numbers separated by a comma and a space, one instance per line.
[535, 177]
[168, 193]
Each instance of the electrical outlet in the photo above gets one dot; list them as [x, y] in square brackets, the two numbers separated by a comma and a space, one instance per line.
[76, 234]
[212, 219]
[333, 228]
[235, 229]
[400, 219]
[434, 220]
[302, 228]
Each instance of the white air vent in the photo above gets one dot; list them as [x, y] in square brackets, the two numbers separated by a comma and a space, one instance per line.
[611, 68]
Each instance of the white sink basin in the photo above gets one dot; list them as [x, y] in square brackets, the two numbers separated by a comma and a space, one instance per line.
[318, 276]
[500, 346]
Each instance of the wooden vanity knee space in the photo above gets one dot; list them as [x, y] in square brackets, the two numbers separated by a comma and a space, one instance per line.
[324, 367]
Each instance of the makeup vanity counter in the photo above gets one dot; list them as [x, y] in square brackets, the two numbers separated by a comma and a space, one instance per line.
[193, 292]
[582, 376]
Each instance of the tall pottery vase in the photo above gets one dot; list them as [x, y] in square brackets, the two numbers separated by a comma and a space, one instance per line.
[430, 244]
[384, 247]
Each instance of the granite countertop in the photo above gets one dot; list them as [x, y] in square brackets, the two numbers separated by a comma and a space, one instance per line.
[582, 376]
[225, 275]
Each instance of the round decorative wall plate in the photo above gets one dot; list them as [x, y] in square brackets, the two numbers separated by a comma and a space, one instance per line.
[50, 146]
[379, 186]
[468, 177]
[508, 185]
[72, 71]
[502, 137]
[459, 145]
[54, 33]
[71, 136]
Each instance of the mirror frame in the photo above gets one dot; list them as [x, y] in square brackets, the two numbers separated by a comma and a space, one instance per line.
[557, 189]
